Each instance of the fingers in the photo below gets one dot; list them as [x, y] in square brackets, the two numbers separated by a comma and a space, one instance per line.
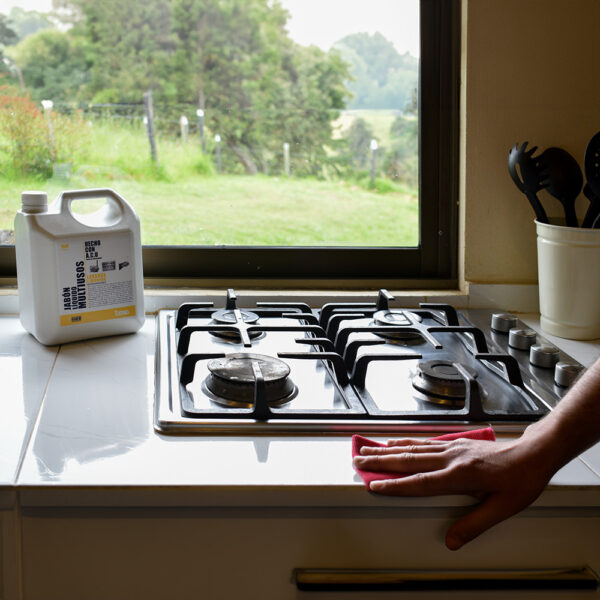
[492, 510]
[402, 448]
[419, 484]
[403, 462]
[415, 442]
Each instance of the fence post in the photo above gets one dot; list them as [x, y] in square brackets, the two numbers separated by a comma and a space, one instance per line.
[200, 115]
[286, 159]
[373, 155]
[183, 123]
[150, 124]
[218, 142]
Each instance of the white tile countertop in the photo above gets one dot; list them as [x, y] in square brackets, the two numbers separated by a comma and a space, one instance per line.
[78, 431]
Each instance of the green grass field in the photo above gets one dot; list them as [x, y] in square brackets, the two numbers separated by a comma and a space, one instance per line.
[188, 203]
[245, 210]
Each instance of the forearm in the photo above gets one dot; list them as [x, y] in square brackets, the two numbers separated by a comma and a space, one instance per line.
[507, 476]
[573, 426]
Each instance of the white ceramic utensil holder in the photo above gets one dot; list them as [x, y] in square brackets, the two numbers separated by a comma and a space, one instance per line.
[569, 281]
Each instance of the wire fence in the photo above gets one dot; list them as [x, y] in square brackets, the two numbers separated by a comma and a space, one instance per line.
[294, 146]
[190, 124]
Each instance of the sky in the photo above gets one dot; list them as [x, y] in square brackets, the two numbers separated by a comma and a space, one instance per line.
[323, 22]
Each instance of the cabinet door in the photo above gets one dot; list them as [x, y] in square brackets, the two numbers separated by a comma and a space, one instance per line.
[119, 554]
[9, 565]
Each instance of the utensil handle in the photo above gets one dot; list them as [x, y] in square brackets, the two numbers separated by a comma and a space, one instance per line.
[571, 216]
[593, 209]
[540, 213]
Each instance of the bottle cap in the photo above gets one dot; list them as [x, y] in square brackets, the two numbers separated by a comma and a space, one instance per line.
[34, 201]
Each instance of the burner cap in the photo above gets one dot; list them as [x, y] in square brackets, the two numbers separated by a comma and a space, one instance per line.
[232, 379]
[397, 318]
[441, 382]
[237, 317]
[231, 317]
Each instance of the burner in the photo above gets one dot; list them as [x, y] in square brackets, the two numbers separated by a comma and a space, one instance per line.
[232, 381]
[440, 382]
[238, 318]
[397, 318]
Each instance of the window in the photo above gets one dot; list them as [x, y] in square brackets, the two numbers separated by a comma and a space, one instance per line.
[283, 108]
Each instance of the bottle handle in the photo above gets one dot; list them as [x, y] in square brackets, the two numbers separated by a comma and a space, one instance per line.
[66, 198]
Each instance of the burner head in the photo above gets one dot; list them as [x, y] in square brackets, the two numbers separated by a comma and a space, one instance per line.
[397, 318]
[232, 380]
[440, 382]
[237, 317]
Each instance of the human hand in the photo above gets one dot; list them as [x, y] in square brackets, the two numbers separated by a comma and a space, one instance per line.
[505, 476]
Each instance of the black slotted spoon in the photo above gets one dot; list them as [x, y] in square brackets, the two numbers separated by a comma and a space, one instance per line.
[530, 177]
[565, 180]
[591, 166]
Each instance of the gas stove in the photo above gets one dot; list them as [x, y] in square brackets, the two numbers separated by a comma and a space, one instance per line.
[368, 367]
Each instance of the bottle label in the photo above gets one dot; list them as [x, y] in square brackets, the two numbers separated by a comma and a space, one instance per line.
[96, 278]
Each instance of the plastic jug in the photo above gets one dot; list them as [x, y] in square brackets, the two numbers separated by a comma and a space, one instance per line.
[79, 276]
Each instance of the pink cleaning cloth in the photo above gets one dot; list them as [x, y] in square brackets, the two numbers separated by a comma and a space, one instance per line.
[358, 442]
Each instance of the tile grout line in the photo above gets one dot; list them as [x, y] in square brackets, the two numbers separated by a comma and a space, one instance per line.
[18, 520]
[35, 421]
[589, 466]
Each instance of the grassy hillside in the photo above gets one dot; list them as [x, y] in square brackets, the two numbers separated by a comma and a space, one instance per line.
[184, 201]
[379, 120]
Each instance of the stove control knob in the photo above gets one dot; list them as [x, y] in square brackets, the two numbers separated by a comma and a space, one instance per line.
[503, 322]
[521, 339]
[544, 356]
[565, 373]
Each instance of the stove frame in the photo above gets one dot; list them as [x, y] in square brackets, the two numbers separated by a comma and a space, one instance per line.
[329, 335]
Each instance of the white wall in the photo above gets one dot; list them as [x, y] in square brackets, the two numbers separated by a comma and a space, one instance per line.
[532, 74]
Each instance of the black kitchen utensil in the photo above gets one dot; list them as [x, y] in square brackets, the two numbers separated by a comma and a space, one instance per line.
[565, 180]
[530, 177]
[591, 166]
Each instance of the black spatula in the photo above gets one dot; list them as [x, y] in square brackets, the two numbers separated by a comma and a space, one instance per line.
[565, 180]
[529, 176]
[591, 166]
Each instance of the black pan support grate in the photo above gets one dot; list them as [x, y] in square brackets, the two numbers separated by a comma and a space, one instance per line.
[328, 333]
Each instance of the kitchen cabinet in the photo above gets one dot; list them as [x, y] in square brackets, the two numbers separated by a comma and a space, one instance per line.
[251, 552]
[105, 507]
[9, 546]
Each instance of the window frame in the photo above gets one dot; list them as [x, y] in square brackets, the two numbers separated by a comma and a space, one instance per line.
[434, 261]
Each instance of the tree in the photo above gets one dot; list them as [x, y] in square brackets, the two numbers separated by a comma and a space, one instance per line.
[53, 65]
[359, 138]
[7, 37]
[258, 87]
[27, 22]
[381, 76]
[127, 46]
[233, 57]
[228, 56]
[402, 161]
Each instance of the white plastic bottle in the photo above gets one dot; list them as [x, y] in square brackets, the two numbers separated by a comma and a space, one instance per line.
[79, 276]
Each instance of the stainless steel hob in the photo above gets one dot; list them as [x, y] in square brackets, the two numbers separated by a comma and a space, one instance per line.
[350, 367]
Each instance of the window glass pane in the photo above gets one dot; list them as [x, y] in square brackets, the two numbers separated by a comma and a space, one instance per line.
[269, 123]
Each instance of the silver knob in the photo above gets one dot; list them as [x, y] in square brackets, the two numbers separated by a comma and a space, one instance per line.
[565, 373]
[521, 339]
[503, 322]
[544, 356]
